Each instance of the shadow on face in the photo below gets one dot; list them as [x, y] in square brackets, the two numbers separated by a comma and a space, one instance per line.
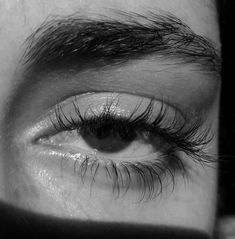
[25, 224]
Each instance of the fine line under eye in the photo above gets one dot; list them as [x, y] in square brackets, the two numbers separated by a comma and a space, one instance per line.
[144, 175]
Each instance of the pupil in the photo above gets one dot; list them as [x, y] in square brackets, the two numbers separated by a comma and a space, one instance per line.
[102, 132]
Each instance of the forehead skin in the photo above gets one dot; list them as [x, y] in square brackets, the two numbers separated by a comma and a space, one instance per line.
[19, 18]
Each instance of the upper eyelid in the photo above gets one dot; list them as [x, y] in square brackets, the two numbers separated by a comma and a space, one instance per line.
[110, 102]
[42, 125]
[163, 101]
[174, 126]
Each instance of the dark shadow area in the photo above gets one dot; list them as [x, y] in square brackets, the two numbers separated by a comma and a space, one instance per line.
[17, 223]
[227, 114]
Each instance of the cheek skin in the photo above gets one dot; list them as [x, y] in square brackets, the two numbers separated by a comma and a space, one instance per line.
[190, 205]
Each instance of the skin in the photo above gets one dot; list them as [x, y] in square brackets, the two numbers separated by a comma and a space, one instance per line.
[22, 183]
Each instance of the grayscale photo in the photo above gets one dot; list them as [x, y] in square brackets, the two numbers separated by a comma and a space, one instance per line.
[117, 119]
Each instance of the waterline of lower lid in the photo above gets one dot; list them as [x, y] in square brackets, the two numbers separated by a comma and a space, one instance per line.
[98, 157]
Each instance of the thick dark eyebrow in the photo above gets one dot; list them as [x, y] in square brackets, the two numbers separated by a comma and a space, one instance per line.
[76, 41]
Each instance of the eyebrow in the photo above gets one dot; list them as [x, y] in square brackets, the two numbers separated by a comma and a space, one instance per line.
[80, 41]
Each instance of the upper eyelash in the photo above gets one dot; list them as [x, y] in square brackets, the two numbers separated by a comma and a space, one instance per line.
[189, 141]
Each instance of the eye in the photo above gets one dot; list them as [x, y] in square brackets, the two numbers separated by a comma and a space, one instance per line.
[107, 135]
[127, 142]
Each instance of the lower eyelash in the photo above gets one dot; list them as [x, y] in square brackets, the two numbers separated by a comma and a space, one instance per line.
[148, 178]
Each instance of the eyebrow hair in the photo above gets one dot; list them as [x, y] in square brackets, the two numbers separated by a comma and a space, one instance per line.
[78, 40]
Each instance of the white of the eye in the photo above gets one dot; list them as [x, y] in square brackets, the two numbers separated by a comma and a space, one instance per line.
[78, 150]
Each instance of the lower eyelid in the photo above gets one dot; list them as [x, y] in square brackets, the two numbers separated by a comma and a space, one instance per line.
[127, 176]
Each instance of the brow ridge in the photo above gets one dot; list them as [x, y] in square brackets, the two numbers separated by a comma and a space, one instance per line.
[78, 40]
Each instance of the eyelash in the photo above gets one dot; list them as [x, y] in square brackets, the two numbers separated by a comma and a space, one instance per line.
[149, 174]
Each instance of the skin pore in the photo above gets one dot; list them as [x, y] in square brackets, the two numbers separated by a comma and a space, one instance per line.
[29, 181]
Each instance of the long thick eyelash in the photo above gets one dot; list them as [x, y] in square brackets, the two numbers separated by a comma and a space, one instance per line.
[150, 175]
